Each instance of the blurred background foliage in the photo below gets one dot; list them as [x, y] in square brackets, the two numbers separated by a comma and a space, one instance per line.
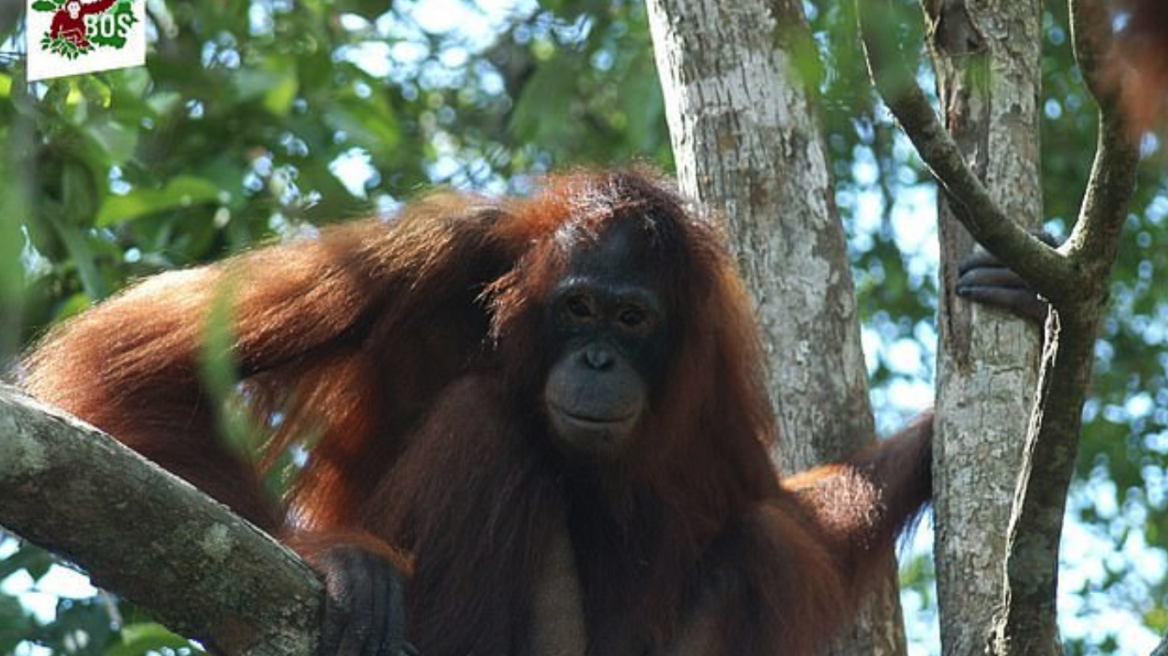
[262, 119]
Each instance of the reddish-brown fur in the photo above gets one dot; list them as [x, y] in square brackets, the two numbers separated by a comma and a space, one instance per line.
[1138, 63]
[414, 352]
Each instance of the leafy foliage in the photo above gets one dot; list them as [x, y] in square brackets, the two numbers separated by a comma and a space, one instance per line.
[261, 120]
[67, 48]
[98, 625]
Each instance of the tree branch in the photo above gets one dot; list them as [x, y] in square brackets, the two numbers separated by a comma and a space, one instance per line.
[1052, 446]
[1091, 40]
[1094, 242]
[1036, 262]
[1162, 648]
[1073, 278]
[138, 530]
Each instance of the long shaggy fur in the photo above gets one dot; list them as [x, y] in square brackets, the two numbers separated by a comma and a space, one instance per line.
[413, 354]
[1138, 63]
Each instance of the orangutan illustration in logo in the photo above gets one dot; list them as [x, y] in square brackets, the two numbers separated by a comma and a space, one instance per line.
[69, 21]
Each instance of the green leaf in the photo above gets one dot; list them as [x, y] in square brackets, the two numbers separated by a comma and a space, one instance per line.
[44, 5]
[368, 123]
[14, 624]
[147, 638]
[279, 98]
[274, 83]
[283, 84]
[75, 618]
[181, 191]
[31, 559]
[80, 250]
[219, 371]
[109, 142]
[78, 192]
[543, 111]
[71, 306]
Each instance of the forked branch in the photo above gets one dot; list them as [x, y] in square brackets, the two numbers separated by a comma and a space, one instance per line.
[1038, 263]
[1073, 278]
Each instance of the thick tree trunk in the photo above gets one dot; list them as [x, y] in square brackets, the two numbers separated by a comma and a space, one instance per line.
[986, 57]
[747, 141]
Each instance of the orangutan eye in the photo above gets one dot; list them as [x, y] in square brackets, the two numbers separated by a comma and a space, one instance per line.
[580, 307]
[633, 317]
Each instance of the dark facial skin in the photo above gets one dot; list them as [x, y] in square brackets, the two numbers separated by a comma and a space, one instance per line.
[610, 325]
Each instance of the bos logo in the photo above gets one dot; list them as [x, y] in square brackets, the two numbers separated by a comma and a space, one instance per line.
[68, 37]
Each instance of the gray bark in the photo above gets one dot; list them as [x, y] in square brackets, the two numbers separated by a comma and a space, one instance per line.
[747, 141]
[136, 529]
[988, 78]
